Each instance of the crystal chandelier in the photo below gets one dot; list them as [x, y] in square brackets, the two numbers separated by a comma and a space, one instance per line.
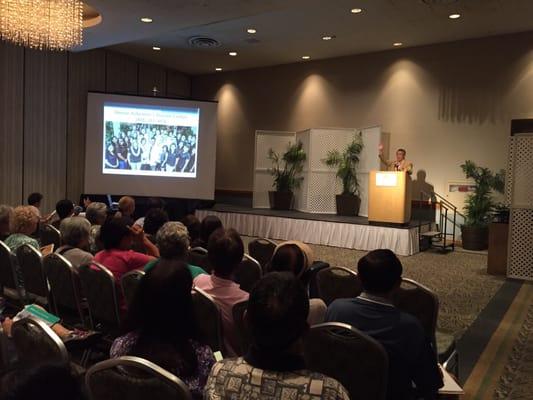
[42, 24]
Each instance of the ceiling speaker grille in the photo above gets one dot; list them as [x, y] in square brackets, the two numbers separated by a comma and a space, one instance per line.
[203, 42]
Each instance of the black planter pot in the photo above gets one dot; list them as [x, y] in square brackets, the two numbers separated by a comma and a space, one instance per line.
[347, 204]
[475, 237]
[281, 200]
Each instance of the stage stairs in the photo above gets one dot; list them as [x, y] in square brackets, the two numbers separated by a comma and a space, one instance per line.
[441, 232]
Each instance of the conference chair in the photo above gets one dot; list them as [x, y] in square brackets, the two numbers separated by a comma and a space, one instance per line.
[209, 319]
[8, 275]
[133, 378]
[65, 287]
[309, 278]
[356, 360]
[36, 286]
[242, 332]
[129, 284]
[198, 256]
[98, 285]
[337, 283]
[48, 234]
[262, 250]
[421, 302]
[36, 343]
[247, 273]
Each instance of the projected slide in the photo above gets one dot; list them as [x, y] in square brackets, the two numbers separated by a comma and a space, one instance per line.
[150, 140]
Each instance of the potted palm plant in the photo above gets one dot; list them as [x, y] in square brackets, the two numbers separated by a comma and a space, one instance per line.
[479, 206]
[286, 170]
[348, 202]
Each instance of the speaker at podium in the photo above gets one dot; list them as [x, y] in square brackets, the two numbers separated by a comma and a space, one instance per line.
[389, 197]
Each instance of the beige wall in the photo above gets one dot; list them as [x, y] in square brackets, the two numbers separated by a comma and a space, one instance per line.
[43, 100]
[444, 103]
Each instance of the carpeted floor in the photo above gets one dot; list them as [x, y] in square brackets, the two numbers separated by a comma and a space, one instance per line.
[459, 279]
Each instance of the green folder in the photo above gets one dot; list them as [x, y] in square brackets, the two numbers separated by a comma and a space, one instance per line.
[49, 319]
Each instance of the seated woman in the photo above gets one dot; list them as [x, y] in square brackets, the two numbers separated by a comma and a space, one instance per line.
[173, 244]
[23, 224]
[296, 257]
[96, 214]
[192, 223]
[162, 327]
[209, 224]
[5, 217]
[118, 238]
[75, 233]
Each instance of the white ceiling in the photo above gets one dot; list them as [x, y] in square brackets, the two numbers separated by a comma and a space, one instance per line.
[289, 29]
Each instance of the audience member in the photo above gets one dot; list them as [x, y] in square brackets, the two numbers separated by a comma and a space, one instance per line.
[24, 222]
[75, 233]
[296, 257]
[35, 199]
[42, 382]
[225, 252]
[64, 209]
[96, 213]
[274, 367]
[152, 202]
[126, 208]
[411, 357]
[117, 238]
[173, 243]
[155, 218]
[162, 327]
[6, 213]
[209, 224]
[192, 223]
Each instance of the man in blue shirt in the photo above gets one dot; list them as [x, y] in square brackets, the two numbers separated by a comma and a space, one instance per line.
[413, 369]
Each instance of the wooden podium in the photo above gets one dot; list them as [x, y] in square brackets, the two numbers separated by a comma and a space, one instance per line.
[389, 197]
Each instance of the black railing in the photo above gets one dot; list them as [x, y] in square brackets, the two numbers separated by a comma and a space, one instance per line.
[447, 215]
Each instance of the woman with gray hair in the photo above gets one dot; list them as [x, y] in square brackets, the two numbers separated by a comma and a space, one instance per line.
[5, 216]
[173, 242]
[75, 232]
[96, 214]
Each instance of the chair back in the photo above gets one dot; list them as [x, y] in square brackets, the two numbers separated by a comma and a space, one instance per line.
[129, 284]
[198, 256]
[241, 329]
[30, 263]
[49, 234]
[64, 284]
[356, 360]
[38, 344]
[262, 250]
[421, 302]
[247, 273]
[309, 277]
[98, 286]
[133, 378]
[8, 277]
[337, 283]
[209, 319]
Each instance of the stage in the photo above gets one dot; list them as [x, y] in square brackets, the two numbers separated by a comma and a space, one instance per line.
[322, 229]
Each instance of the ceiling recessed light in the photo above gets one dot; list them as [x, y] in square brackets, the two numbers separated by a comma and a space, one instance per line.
[356, 10]
[251, 30]
[218, 69]
[156, 48]
[454, 16]
[147, 20]
[232, 53]
[306, 57]
[328, 37]
[397, 44]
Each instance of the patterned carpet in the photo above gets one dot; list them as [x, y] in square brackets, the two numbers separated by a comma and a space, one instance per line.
[459, 279]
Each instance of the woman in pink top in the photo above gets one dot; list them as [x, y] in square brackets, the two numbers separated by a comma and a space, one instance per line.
[118, 238]
[225, 252]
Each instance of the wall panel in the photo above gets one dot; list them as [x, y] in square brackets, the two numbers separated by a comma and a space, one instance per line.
[121, 73]
[45, 125]
[150, 76]
[178, 84]
[11, 122]
[86, 72]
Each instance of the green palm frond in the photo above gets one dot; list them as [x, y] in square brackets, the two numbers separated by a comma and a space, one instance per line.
[346, 164]
[286, 177]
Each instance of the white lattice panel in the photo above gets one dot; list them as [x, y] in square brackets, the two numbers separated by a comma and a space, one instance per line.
[520, 196]
[520, 262]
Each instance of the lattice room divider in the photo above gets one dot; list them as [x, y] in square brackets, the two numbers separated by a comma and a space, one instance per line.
[519, 196]
[320, 185]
